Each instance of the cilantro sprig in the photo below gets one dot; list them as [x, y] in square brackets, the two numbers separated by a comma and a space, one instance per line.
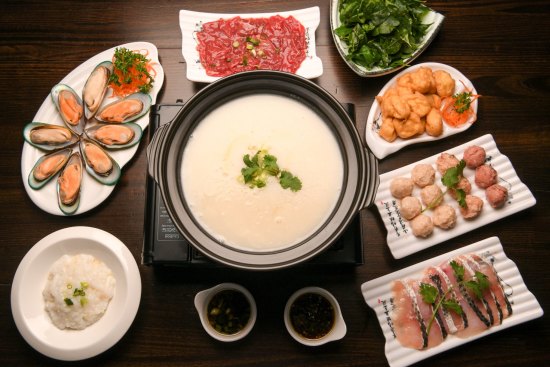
[261, 166]
[131, 67]
[431, 295]
[463, 101]
[450, 179]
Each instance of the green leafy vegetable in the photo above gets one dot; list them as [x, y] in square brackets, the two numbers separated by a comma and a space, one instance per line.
[381, 33]
[262, 165]
[452, 177]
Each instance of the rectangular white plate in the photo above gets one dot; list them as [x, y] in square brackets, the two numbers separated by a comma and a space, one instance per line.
[378, 295]
[400, 238]
[191, 22]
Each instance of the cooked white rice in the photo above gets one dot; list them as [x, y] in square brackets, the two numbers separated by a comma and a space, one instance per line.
[78, 291]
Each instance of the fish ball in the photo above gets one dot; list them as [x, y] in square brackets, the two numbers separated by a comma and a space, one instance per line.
[422, 225]
[401, 187]
[410, 207]
[444, 216]
[423, 175]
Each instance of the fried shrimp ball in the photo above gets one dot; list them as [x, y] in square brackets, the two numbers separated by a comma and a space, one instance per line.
[401, 187]
[444, 217]
[444, 83]
[485, 176]
[435, 100]
[421, 80]
[434, 123]
[387, 129]
[431, 196]
[474, 156]
[423, 175]
[410, 127]
[410, 207]
[419, 104]
[496, 195]
[422, 225]
[395, 106]
[473, 207]
[446, 161]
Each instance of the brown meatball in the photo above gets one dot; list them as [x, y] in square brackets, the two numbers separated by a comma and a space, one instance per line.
[485, 176]
[423, 175]
[474, 156]
[446, 161]
[496, 195]
[422, 225]
[431, 196]
[473, 207]
[401, 187]
[444, 216]
[410, 207]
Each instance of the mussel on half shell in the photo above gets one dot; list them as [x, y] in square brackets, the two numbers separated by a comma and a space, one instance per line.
[70, 107]
[48, 137]
[99, 164]
[95, 88]
[115, 136]
[47, 167]
[127, 109]
[69, 184]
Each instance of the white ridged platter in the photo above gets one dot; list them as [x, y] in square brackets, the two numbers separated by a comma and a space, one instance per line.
[378, 295]
[93, 193]
[191, 21]
[400, 238]
[382, 148]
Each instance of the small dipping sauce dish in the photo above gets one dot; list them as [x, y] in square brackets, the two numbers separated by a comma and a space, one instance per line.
[227, 311]
[313, 317]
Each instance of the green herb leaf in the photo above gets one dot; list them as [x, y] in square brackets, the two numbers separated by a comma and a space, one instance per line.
[451, 304]
[124, 61]
[68, 301]
[458, 270]
[428, 292]
[453, 175]
[270, 165]
[462, 101]
[289, 181]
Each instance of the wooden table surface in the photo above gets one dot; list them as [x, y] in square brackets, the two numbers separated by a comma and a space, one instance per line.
[501, 46]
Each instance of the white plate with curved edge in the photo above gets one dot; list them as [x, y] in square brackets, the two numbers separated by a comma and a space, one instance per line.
[27, 303]
[382, 148]
[433, 18]
[191, 23]
[400, 238]
[93, 193]
[378, 295]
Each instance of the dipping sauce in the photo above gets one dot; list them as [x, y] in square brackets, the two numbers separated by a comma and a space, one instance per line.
[228, 311]
[312, 315]
[270, 217]
[228, 46]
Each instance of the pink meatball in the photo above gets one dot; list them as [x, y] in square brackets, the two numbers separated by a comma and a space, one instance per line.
[485, 176]
[462, 184]
[496, 195]
[446, 161]
[474, 156]
[473, 207]
[422, 225]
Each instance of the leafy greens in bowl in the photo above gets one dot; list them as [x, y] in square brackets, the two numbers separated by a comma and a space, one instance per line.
[378, 37]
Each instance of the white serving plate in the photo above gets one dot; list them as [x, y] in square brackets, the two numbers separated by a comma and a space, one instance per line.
[382, 148]
[93, 193]
[400, 238]
[433, 18]
[27, 303]
[378, 295]
[191, 22]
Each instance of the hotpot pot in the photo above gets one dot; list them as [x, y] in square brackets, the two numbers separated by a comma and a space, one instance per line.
[166, 148]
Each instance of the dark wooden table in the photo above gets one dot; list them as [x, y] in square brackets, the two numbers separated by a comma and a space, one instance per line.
[502, 46]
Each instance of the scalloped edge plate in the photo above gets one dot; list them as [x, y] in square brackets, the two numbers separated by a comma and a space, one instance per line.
[378, 295]
[433, 17]
[190, 21]
[382, 148]
[400, 238]
[93, 193]
[27, 303]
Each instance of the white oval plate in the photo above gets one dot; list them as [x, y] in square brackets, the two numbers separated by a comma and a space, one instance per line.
[400, 238]
[433, 18]
[382, 148]
[27, 303]
[93, 193]
[378, 295]
[191, 23]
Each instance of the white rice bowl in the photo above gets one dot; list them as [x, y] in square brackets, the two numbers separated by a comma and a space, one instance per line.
[84, 272]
